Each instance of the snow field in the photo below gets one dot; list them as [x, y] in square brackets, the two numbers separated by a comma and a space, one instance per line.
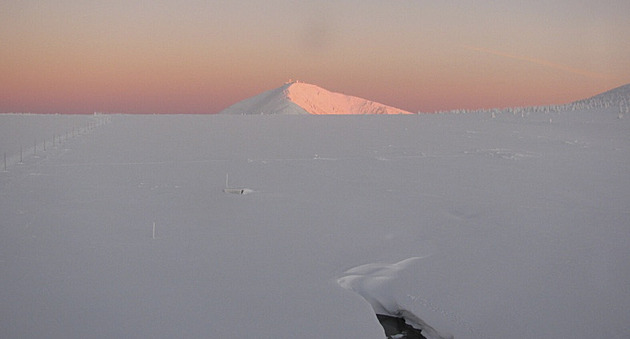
[519, 227]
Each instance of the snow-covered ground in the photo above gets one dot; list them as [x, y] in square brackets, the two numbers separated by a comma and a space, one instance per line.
[512, 227]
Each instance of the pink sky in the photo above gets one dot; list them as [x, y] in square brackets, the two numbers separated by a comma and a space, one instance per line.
[71, 56]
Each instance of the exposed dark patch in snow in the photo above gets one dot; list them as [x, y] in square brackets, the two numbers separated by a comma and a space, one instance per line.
[397, 328]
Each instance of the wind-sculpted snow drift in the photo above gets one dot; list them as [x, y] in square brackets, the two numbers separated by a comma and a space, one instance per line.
[373, 283]
[299, 98]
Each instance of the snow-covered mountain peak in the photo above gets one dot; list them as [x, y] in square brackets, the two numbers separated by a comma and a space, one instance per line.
[304, 98]
[316, 100]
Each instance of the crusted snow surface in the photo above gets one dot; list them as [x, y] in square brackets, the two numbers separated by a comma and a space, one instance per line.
[519, 226]
[302, 98]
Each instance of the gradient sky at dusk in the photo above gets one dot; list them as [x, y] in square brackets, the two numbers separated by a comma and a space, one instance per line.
[73, 56]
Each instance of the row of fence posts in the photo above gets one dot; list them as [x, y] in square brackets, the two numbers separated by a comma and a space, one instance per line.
[57, 139]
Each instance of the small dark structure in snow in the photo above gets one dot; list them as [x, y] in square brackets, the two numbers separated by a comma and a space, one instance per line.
[235, 190]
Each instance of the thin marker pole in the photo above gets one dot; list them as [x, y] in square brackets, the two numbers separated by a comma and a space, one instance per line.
[154, 230]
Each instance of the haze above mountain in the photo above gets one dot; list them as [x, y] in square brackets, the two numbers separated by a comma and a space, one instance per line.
[302, 98]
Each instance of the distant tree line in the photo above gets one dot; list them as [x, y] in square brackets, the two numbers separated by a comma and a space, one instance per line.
[618, 98]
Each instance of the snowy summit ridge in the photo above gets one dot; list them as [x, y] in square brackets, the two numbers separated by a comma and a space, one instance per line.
[302, 98]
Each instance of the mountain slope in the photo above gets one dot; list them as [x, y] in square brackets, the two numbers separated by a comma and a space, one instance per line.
[616, 97]
[270, 102]
[302, 98]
